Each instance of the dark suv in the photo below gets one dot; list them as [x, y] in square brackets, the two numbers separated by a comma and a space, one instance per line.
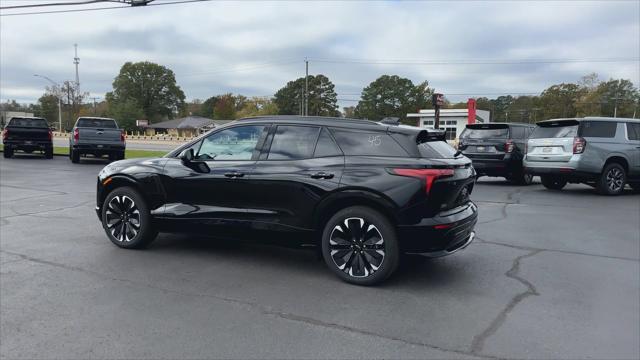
[361, 191]
[497, 149]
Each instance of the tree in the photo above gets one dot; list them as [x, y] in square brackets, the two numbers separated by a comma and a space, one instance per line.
[126, 112]
[322, 97]
[392, 96]
[152, 86]
[225, 107]
[48, 108]
[618, 97]
[349, 111]
[559, 101]
[257, 106]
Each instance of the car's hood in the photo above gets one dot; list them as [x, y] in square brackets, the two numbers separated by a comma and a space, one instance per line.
[133, 166]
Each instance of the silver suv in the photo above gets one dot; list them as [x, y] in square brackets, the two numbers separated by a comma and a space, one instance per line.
[601, 152]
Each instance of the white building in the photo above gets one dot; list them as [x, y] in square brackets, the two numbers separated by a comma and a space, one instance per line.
[453, 121]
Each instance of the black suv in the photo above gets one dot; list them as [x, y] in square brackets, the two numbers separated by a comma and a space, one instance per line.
[497, 149]
[363, 192]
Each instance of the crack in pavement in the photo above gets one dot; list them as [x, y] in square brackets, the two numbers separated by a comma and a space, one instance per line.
[531, 248]
[265, 310]
[17, 214]
[478, 342]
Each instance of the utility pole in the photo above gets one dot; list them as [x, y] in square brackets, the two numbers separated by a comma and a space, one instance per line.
[306, 88]
[94, 104]
[76, 60]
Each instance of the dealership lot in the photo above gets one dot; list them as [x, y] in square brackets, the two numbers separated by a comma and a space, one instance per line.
[551, 275]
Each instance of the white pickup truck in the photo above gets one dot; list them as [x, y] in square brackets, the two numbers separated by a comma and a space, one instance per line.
[96, 136]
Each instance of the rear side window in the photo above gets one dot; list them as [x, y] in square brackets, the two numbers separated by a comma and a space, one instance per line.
[471, 133]
[600, 129]
[517, 132]
[97, 123]
[545, 132]
[293, 142]
[34, 123]
[326, 146]
[633, 131]
[436, 150]
[367, 143]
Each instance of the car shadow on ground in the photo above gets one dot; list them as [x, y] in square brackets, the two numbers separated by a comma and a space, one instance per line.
[32, 156]
[413, 268]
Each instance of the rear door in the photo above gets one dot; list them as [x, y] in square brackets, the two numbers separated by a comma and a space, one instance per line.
[484, 141]
[633, 136]
[298, 166]
[552, 141]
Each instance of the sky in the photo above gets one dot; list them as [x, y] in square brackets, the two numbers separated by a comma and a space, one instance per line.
[462, 48]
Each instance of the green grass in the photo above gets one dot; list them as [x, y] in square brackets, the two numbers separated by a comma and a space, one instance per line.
[129, 154]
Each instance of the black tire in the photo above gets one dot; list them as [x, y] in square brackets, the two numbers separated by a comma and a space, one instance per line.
[553, 182]
[8, 152]
[75, 156]
[522, 178]
[612, 180]
[121, 155]
[113, 156]
[48, 153]
[635, 186]
[361, 259]
[132, 228]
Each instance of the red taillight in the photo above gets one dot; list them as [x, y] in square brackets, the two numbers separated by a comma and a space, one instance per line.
[508, 146]
[429, 175]
[122, 136]
[442, 226]
[579, 144]
[50, 135]
[76, 135]
[5, 134]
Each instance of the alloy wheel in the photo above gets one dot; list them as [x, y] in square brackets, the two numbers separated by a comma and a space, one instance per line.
[615, 179]
[357, 247]
[123, 218]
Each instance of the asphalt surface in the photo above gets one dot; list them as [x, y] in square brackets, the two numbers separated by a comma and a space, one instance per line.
[551, 275]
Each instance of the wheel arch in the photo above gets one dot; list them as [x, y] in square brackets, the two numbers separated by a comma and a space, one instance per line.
[619, 159]
[121, 180]
[352, 197]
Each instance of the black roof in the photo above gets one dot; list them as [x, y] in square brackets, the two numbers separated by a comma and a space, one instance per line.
[318, 120]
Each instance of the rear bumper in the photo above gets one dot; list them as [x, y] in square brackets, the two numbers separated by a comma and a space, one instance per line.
[100, 148]
[441, 235]
[495, 167]
[28, 144]
[572, 170]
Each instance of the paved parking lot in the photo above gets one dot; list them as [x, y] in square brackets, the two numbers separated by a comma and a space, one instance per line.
[551, 275]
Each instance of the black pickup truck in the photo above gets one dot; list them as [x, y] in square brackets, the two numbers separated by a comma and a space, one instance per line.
[27, 134]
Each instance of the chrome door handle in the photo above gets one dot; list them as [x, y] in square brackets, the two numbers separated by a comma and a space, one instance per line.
[234, 174]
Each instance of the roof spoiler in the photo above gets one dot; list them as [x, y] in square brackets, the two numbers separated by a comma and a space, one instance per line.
[431, 135]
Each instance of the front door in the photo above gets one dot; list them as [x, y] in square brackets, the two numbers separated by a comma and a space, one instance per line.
[217, 198]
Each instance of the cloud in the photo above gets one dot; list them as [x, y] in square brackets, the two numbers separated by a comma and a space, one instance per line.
[255, 47]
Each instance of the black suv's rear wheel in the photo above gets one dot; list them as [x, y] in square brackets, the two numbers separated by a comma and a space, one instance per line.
[8, 152]
[360, 246]
[126, 219]
[522, 178]
[553, 182]
[612, 180]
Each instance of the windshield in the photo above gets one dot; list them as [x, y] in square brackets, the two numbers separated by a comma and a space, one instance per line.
[97, 123]
[558, 131]
[470, 133]
[34, 123]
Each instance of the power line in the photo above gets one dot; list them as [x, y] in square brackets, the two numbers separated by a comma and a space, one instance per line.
[471, 62]
[246, 68]
[105, 8]
[85, 2]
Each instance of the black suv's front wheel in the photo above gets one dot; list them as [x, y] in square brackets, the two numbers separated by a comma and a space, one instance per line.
[360, 246]
[126, 219]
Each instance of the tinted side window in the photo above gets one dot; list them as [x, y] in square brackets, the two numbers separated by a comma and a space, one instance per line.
[517, 132]
[326, 146]
[633, 131]
[293, 142]
[367, 143]
[601, 129]
[237, 143]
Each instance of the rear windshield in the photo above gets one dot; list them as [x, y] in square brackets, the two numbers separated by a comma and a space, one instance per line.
[489, 133]
[436, 150]
[97, 123]
[34, 123]
[554, 131]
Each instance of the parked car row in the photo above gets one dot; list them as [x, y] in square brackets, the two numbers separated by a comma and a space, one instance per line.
[601, 152]
[90, 136]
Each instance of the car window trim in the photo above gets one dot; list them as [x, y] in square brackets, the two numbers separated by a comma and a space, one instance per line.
[272, 135]
[385, 132]
[254, 156]
[334, 143]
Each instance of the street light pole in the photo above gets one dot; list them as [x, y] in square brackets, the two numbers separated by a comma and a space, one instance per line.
[55, 84]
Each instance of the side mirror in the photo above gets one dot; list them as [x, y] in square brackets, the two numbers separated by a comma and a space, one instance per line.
[188, 159]
[187, 155]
